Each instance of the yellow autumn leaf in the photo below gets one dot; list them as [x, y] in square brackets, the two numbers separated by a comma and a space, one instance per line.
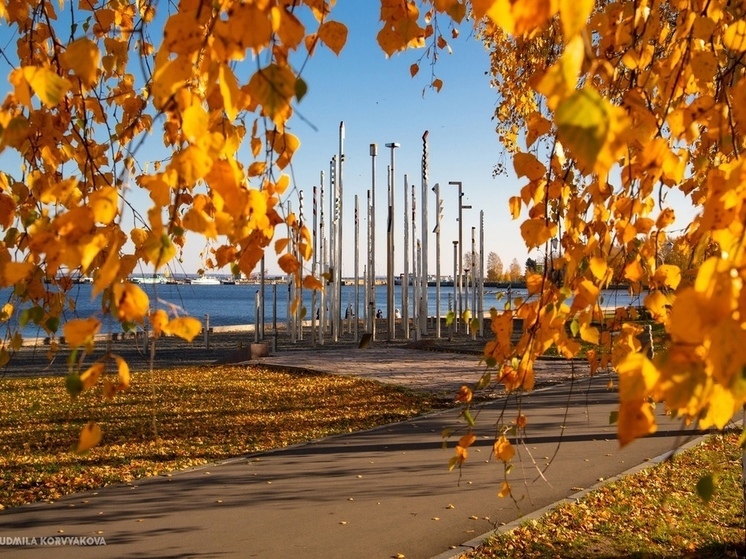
[635, 420]
[334, 35]
[667, 275]
[310, 282]
[191, 164]
[598, 267]
[504, 490]
[574, 15]
[232, 95]
[83, 58]
[467, 440]
[13, 272]
[199, 222]
[657, 303]
[517, 16]
[527, 165]
[721, 408]
[131, 302]
[561, 79]
[633, 271]
[48, 86]
[515, 206]
[81, 331]
[108, 271]
[90, 376]
[186, 328]
[503, 449]
[194, 122]
[104, 203]
[589, 334]
[285, 144]
[537, 231]
[735, 36]
[6, 312]
[90, 436]
[637, 377]
[123, 373]
[159, 250]
[590, 126]
[158, 321]
[289, 263]
[273, 87]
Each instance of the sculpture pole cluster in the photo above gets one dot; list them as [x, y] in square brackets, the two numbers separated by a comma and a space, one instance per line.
[327, 258]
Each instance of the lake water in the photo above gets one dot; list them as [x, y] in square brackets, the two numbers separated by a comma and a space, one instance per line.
[229, 305]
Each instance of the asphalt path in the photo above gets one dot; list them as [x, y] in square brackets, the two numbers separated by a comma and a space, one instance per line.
[372, 494]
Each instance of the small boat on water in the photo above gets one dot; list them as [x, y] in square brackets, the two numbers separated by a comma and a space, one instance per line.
[205, 280]
[150, 280]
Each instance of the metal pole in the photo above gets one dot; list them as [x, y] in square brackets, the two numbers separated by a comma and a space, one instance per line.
[314, 264]
[424, 292]
[366, 269]
[372, 270]
[322, 249]
[458, 303]
[334, 212]
[418, 294]
[455, 299]
[340, 178]
[299, 284]
[405, 275]
[357, 264]
[481, 273]
[415, 270]
[274, 312]
[439, 208]
[261, 316]
[390, 253]
[473, 278]
[257, 308]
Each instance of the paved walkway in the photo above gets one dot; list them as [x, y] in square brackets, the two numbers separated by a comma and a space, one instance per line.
[373, 494]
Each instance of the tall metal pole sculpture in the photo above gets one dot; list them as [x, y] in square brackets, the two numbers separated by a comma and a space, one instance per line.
[314, 264]
[323, 249]
[340, 192]
[424, 293]
[474, 277]
[415, 270]
[262, 281]
[455, 301]
[299, 292]
[366, 269]
[333, 239]
[357, 264]
[461, 208]
[405, 275]
[390, 252]
[481, 273]
[438, 216]
[372, 263]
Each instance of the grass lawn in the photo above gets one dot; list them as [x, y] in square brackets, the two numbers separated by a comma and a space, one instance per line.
[201, 415]
[653, 514]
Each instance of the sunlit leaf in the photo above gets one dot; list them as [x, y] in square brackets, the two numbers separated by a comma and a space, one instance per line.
[131, 302]
[90, 436]
[80, 331]
[90, 376]
[186, 328]
[334, 35]
[48, 86]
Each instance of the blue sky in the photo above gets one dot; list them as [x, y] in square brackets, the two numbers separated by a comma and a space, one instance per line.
[380, 102]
